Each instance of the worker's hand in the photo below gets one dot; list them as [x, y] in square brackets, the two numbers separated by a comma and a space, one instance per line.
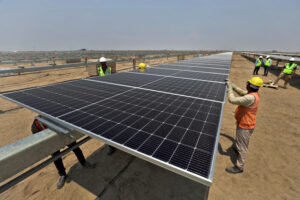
[228, 83]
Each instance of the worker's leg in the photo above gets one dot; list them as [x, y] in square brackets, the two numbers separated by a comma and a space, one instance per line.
[242, 142]
[278, 78]
[268, 68]
[257, 69]
[254, 71]
[286, 80]
[77, 151]
[59, 165]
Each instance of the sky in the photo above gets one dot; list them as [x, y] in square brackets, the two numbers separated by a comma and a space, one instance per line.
[150, 25]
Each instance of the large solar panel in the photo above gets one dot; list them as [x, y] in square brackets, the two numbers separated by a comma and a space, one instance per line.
[171, 118]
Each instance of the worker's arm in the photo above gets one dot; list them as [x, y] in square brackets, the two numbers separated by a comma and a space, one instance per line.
[255, 62]
[246, 100]
[239, 90]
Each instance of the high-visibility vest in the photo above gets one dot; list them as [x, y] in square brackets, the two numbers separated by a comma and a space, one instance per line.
[246, 115]
[268, 62]
[107, 72]
[289, 68]
[258, 64]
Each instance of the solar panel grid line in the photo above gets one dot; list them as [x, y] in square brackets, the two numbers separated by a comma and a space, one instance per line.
[153, 160]
[170, 132]
[124, 102]
[182, 138]
[132, 88]
[156, 91]
[178, 77]
[189, 70]
[199, 136]
[196, 66]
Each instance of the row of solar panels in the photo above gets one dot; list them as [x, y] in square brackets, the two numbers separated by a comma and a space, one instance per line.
[169, 115]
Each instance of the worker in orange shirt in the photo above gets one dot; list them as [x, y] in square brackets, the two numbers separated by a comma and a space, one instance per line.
[245, 115]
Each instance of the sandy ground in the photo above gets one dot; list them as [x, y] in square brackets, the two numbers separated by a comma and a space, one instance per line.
[271, 172]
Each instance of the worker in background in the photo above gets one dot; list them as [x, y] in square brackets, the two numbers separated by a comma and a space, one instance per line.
[142, 67]
[103, 69]
[245, 115]
[37, 127]
[258, 64]
[288, 71]
[267, 65]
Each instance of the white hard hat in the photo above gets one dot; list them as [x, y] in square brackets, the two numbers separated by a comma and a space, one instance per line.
[268, 56]
[292, 59]
[260, 57]
[102, 59]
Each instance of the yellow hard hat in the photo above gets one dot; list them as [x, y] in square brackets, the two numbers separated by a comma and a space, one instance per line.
[257, 81]
[142, 65]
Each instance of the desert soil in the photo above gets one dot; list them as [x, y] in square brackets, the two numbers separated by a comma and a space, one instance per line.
[272, 170]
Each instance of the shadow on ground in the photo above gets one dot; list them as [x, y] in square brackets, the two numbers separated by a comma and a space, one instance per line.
[229, 151]
[9, 110]
[294, 82]
[122, 176]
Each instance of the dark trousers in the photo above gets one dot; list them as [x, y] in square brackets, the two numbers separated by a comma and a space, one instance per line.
[266, 68]
[256, 69]
[59, 163]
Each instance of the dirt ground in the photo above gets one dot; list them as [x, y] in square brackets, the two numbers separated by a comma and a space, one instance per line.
[272, 170]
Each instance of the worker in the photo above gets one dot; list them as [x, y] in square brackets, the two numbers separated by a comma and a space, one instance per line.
[267, 65]
[142, 67]
[37, 127]
[288, 71]
[103, 69]
[245, 115]
[258, 64]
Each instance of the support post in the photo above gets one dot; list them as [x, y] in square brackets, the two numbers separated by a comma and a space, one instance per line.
[134, 63]
[53, 61]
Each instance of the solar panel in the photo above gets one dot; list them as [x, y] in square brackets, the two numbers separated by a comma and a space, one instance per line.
[170, 121]
[184, 74]
[193, 69]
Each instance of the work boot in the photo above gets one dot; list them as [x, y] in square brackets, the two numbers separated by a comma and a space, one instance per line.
[89, 165]
[111, 150]
[61, 181]
[234, 170]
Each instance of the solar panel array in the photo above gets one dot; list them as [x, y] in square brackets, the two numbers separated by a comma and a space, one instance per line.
[169, 114]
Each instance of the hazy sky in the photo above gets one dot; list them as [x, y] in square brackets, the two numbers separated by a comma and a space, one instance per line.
[150, 24]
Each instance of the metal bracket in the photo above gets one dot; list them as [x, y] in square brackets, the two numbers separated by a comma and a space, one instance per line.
[54, 127]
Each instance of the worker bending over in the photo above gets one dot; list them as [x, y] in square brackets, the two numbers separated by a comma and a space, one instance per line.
[245, 115]
[267, 65]
[288, 71]
[103, 69]
[37, 127]
[258, 63]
